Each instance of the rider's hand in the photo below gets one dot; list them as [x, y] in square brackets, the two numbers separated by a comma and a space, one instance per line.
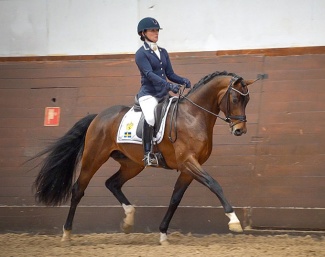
[174, 88]
[187, 83]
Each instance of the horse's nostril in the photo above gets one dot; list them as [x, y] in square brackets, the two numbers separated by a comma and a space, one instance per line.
[238, 132]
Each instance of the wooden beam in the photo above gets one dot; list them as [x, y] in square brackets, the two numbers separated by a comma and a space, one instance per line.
[264, 52]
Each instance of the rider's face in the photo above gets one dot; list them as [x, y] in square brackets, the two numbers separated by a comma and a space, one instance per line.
[152, 34]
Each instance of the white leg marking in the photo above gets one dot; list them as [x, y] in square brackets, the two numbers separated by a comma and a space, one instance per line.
[128, 221]
[163, 239]
[66, 235]
[233, 218]
[234, 223]
[129, 211]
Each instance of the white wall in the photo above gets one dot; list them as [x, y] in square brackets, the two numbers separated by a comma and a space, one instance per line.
[81, 27]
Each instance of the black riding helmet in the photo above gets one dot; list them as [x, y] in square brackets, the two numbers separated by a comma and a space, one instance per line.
[147, 23]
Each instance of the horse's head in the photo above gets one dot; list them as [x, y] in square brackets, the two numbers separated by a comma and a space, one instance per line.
[232, 98]
[233, 104]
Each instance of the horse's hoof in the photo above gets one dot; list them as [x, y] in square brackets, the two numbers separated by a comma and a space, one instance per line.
[66, 237]
[126, 228]
[235, 227]
[164, 243]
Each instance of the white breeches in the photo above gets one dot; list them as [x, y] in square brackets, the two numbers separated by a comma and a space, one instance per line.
[148, 104]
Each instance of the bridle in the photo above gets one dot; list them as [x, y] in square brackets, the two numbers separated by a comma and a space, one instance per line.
[228, 119]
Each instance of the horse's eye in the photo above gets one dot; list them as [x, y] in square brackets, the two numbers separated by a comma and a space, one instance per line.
[235, 100]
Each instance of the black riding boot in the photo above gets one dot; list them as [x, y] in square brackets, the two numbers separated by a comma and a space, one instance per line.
[150, 158]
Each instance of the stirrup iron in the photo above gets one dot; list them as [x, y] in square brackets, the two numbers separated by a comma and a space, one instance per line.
[150, 159]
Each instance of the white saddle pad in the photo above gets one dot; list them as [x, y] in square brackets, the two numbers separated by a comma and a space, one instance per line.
[128, 127]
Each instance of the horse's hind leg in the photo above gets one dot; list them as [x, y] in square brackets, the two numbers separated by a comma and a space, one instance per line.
[78, 192]
[89, 166]
[128, 170]
[76, 196]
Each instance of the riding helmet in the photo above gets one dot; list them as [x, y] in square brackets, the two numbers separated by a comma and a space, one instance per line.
[147, 23]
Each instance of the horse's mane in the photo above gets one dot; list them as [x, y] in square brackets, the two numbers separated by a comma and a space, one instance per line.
[208, 78]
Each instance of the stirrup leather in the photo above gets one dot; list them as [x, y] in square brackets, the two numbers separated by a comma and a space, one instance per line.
[150, 159]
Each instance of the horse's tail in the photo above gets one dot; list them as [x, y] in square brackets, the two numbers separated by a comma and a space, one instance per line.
[54, 182]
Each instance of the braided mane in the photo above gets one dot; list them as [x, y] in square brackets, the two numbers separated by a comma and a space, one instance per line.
[208, 78]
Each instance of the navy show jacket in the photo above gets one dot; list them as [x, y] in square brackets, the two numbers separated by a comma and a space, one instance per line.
[154, 72]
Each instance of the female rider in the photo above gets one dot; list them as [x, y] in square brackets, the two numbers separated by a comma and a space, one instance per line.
[155, 68]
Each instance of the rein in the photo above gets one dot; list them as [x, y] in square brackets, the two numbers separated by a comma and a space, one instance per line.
[212, 113]
[228, 119]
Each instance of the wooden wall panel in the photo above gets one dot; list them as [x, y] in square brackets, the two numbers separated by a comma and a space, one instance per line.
[278, 164]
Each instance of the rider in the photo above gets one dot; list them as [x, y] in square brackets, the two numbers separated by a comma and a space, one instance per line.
[155, 68]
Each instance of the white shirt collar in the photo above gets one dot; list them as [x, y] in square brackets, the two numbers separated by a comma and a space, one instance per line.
[152, 45]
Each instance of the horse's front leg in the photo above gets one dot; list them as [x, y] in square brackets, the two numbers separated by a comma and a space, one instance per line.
[182, 183]
[192, 167]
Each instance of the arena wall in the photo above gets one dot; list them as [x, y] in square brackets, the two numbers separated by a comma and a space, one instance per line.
[273, 175]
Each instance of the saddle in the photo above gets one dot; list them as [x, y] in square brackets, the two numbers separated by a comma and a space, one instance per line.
[159, 111]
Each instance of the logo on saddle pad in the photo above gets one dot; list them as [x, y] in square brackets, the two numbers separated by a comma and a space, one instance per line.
[129, 126]
[130, 129]
[128, 133]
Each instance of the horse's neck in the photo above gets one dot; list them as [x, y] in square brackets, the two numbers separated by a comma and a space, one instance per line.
[209, 95]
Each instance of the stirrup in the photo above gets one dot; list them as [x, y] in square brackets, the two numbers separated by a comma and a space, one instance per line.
[150, 159]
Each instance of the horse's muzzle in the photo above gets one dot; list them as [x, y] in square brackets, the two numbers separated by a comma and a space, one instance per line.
[238, 129]
[239, 132]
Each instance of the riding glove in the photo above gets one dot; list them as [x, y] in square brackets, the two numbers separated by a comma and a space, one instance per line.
[187, 83]
[174, 88]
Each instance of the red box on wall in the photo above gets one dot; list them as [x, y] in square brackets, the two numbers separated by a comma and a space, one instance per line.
[52, 116]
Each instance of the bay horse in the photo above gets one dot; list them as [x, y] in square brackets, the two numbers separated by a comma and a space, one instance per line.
[92, 140]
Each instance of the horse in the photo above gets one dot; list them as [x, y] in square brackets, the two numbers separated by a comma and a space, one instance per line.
[92, 141]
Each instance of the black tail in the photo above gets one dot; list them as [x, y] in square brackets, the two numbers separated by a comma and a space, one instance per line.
[53, 183]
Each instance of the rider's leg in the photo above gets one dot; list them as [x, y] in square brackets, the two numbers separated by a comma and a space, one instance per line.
[147, 138]
[148, 104]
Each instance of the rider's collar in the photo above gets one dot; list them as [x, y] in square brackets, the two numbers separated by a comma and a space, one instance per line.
[151, 45]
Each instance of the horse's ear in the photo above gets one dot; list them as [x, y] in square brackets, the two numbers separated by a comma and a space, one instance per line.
[259, 77]
[249, 82]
